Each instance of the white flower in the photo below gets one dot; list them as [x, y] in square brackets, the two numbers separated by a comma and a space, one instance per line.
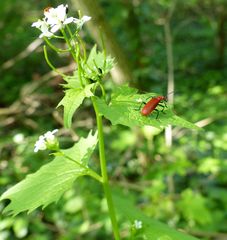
[138, 224]
[40, 144]
[43, 27]
[57, 17]
[49, 136]
[85, 18]
[48, 140]
[80, 22]
[54, 15]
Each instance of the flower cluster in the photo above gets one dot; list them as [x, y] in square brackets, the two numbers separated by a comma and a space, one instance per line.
[47, 141]
[55, 19]
[138, 224]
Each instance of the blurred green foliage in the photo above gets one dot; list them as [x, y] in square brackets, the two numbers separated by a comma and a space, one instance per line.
[184, 186]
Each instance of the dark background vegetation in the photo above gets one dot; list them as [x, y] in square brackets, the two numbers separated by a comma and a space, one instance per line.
[185, 186]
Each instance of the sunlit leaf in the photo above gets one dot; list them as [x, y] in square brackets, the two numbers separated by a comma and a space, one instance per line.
[50, 181]
[125, 105]
[97, 64]
[72, 100]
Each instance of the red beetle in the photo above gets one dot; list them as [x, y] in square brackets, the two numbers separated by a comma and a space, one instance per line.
[151, 105]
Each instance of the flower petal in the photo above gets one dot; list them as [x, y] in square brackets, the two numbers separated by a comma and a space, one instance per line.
[40, 144]
[55, 28]
[68, 20]
[37, 24]
[85, 18]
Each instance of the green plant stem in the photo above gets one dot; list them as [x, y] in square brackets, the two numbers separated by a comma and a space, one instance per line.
[83, 47]
[74, 50]
[50, 64]
[58, 50]
[88, 170]
[105, 182]
[71, 49]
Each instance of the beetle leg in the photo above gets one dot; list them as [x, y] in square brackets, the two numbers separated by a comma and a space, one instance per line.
[163, 107]
[149, 98]
[137, 109]
[156, 110]
[165, 104]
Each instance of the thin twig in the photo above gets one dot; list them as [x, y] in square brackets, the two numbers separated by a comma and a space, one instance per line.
[25, 53]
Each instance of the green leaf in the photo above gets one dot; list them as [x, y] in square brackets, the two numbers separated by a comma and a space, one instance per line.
[50, 181]
[73, 81]
[72, 100]
[96, 64]
[151, 229]
[125, 106]
[193, 207]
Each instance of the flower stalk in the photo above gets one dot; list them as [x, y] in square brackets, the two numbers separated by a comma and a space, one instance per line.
[88, 71]
[105, 182]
